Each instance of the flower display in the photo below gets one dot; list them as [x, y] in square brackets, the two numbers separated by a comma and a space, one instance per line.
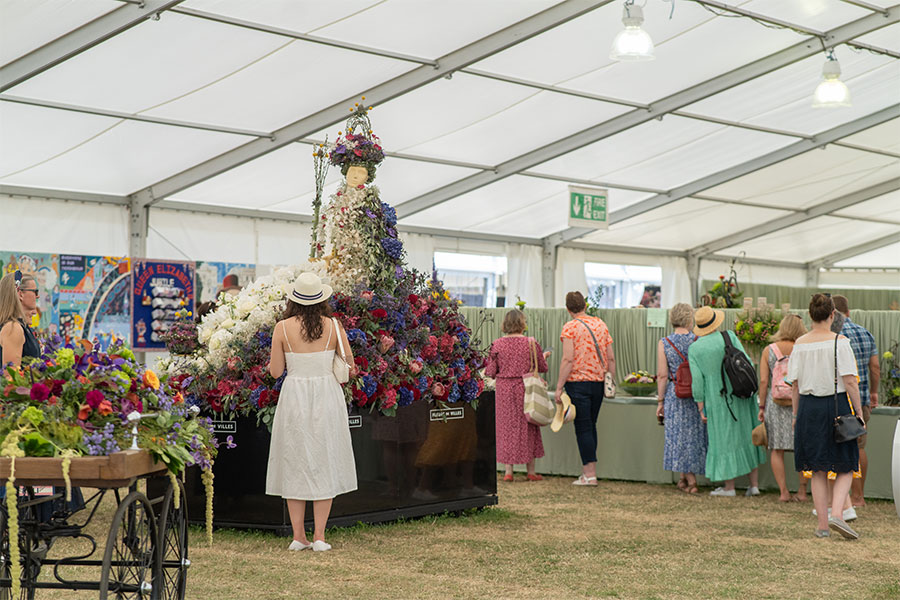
[757, 326]
[640, 377]
[76, 400]
[724, 293]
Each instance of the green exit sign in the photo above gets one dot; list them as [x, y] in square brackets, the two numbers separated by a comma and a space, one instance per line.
[588, 207]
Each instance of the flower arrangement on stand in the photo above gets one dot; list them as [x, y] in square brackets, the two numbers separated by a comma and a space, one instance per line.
[75, 401]
[890, 376]
[724, 294]
[640, 383]
[359, 146]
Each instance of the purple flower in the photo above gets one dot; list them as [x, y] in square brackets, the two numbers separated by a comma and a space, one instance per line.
[370, 214]
[392, 247]
[390, 215]
[229, 442]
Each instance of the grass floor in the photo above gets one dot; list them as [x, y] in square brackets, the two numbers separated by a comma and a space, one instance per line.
[552, 540]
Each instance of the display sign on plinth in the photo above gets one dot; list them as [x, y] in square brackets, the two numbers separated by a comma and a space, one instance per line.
[588, 207]
[161, 291]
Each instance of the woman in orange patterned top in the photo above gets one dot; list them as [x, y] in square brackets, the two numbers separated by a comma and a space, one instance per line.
[587, 357]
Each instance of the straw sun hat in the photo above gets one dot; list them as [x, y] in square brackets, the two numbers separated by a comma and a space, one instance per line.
[309, 289]
[707, 320]
[565, 413]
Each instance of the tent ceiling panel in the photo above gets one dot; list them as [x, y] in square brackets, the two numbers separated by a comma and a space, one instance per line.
[585, 42]
[810, 178]
[885, 137]
[285, 13]
[664, 154]
[515, 130]
[782, 99]
[450, 126]
[813, 239]
[149, 64]
[648, 81]
[127, 156]
[29, 24]
[888, 256]
[59, 131]
[500, 207]
[886, 208]
[410, 28]
[820, 15]
[271, 179]
[262, 97]
[684, 224]
[887, 38]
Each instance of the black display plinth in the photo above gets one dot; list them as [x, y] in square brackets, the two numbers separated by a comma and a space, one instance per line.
[426, 460]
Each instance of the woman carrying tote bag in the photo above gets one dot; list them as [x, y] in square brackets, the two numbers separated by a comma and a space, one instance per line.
[510, 358]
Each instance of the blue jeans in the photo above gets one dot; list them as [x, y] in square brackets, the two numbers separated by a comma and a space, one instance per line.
[587, 396]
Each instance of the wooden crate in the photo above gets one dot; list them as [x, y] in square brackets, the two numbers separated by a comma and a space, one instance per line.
[114, 471]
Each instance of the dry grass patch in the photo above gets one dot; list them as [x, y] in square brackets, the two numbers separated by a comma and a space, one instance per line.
[550, 540]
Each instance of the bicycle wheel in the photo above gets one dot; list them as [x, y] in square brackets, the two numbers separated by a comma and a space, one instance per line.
[130, 561]
[173, 545]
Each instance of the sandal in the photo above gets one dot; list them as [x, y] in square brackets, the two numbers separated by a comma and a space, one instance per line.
[690, 489]
[682, 484]
[534, 477]
[507, 478]
[582, 480]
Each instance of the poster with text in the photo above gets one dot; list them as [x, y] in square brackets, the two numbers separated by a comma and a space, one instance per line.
[211, 277]
[160, 289]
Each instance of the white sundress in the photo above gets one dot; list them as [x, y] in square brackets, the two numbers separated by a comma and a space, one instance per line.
[310, 454]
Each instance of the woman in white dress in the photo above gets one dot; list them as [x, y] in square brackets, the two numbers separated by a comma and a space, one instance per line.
[310, 455]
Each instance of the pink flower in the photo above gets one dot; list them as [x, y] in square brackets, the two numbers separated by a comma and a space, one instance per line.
[415, 366]
[385, 343]
[390, 398]
[438, 389]
[39, 392]
[94, 398]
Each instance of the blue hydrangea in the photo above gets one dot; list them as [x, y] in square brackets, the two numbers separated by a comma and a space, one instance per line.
[392, 247]
[463, 337]
[422, 383]
[279, 381]
[356, 334]
[459, 363]
[454, 394]
[406, 397]
[369, 385]
[470, 390]
[390, 215]
[254, 396]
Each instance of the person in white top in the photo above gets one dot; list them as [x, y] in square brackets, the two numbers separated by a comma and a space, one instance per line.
[310, 454]
[822, 373]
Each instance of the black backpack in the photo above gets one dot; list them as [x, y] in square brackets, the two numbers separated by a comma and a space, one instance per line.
[738, 371]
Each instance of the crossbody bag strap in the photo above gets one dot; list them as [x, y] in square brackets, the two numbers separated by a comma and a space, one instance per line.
[534, 362]
[600, 356]
[668, 341]
[852, 411]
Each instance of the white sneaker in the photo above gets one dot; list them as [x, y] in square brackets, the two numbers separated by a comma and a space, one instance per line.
[752, 491]
[320, 546]
[296, 546]
[720, 491]
[849, 514]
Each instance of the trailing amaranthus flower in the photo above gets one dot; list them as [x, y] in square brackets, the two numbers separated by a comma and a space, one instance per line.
[207, 477]
[176, 491]
[66, 466]
[11, 449]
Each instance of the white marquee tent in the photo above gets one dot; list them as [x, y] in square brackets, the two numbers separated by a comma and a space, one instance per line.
[184, 130]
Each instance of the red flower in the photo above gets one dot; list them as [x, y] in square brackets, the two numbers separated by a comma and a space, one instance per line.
[362, 362]
[412, 298]
[360, 397]
[105, 408]
[84, 412]
[56, 386]
[379, 313]
[39, 392]
[94, 398]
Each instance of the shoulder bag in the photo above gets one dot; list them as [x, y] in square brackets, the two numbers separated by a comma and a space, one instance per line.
[339, 364]
[539, 407]
[683, 380]
[609, 386]
[846, 427]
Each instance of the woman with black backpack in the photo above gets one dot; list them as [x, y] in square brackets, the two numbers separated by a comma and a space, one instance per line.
[724, 386]
[685, 432]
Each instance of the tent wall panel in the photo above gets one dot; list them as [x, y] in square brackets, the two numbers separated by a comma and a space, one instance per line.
[862, 299]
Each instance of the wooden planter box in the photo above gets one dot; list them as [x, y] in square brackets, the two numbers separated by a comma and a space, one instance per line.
[114, 471]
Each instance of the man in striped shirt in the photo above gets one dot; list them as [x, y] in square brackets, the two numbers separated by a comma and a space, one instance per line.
[863, 344]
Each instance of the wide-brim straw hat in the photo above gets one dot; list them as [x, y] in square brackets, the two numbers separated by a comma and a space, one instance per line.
[565, 413]
[309, 289]
[707, 320]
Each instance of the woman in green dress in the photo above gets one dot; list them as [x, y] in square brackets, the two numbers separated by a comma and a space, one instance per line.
[731, 452]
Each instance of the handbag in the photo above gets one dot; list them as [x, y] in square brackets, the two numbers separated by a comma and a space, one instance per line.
[609, 385]
[339, 363]
[539, 407]
[683, 381]
[760, 436]
[846, 427]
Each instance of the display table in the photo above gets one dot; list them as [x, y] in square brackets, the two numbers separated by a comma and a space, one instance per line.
[630, 447]
[426, 460]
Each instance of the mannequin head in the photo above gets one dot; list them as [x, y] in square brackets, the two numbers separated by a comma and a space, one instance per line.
[357, 175]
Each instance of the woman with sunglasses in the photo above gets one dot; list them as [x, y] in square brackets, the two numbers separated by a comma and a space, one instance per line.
[18, 299]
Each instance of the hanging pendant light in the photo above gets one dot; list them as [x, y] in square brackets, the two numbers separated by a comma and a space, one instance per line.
[632, 43]
[831, 91]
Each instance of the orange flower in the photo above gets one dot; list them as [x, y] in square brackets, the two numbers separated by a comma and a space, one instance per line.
[84, 380]
[151, 380]
[84, 412]
[53, 400]
[105, 408]
[179, 398]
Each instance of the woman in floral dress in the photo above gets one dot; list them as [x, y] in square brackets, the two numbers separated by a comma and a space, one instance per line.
[685, 433]
[518, 441]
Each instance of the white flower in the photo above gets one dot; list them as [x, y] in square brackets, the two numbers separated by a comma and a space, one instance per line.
[227, 323]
